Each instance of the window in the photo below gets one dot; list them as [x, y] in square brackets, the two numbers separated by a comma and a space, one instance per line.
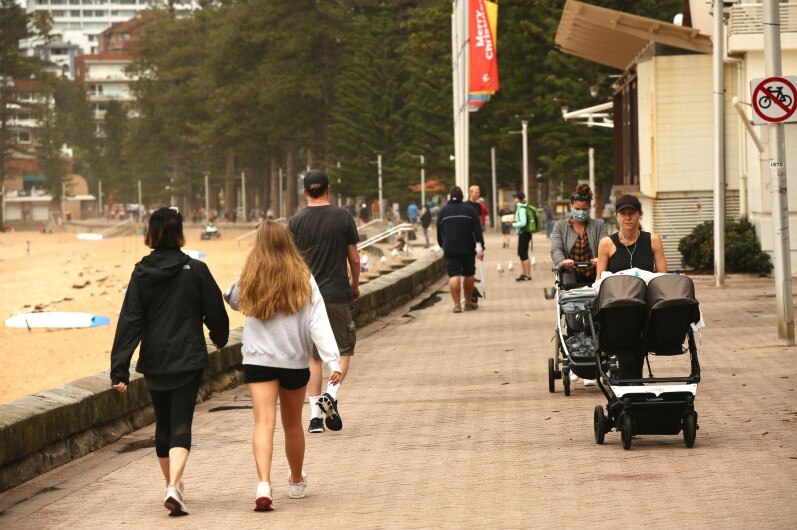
[92, 38]
[88, 13]
[100, 13]
[58, 13]
[75, 13]
[21, 137]
[74, 2]
[57, 2]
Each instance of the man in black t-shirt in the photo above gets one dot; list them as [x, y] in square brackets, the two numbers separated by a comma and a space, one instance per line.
[327, 237]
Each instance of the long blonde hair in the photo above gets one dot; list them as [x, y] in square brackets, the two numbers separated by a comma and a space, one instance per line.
[275, 278]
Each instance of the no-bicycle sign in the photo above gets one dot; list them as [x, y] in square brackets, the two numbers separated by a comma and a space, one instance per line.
[774, 100]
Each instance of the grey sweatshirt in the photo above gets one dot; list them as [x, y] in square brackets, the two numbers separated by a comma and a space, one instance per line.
[286, 341]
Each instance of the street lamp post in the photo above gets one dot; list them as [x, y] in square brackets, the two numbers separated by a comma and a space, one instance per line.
[207, 197]
[379, 169]
[281, 214]
[525, 125]
[423, 178]
[495, 192]
[524, 131]
[99, 198]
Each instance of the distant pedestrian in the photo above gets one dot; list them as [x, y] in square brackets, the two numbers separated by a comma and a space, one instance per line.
[506, 226]
[168, 298]
[548, 219]
[412, 212]
[524, 236]
[474, 194]
[284, 319]
[458, 233]
[365, 214]
[426, 222]
[27, 248]
[327, 238]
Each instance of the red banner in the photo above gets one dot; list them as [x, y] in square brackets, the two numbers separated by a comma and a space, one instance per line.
[483, 57]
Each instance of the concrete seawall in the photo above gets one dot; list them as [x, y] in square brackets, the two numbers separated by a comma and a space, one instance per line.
[48, 429]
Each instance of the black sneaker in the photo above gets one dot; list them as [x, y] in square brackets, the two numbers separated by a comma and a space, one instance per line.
[316, 425]
[329, 407]
[522, 278]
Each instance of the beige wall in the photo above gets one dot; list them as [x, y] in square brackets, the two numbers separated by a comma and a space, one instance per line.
[676, 125]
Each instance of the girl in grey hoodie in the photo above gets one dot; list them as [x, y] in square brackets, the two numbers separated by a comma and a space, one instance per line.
[285, 316]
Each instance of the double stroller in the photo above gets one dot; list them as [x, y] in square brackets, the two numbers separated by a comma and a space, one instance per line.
[575, 344]
[629, 319]
[635, 319]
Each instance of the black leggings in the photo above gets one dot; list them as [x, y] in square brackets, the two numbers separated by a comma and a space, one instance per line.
[523, 242]
[174, 413]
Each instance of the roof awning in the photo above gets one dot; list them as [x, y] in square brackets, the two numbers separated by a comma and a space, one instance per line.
[616, 39]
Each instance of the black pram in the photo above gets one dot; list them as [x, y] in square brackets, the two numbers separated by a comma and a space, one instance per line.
[634, 318]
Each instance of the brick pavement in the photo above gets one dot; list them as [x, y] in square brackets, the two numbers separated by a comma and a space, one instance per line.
[448, 423]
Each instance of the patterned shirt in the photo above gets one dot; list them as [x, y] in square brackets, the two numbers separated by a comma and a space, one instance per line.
[581, 252]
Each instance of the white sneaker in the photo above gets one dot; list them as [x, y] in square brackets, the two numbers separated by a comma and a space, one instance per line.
[263, 500]
[573, 377]
[590, 382]
[297, 488]
[173, 501]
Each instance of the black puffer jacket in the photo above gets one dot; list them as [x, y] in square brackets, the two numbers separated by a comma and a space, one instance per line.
[168, 299]
[459, 229]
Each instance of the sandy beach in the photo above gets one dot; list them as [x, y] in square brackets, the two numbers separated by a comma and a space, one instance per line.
[65, 274]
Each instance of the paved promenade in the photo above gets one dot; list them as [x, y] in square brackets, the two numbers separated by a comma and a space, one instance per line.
[448, 423]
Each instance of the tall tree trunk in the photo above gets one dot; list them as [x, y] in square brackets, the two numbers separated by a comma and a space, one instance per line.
[310, 159]
[177, 193]
[251, 193]
[291, 201]
[274, 204]
[230, 188]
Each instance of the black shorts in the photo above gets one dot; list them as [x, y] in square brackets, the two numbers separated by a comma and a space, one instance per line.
[289, 378]
[342, 327]
[461, 265]
[523, 240]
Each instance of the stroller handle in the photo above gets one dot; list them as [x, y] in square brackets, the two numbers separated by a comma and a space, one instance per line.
[577, 264]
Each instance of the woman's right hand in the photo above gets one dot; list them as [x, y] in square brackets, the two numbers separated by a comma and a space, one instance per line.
[568, 264]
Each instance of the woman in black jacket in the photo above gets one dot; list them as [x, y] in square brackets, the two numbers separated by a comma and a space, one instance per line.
[168, 298]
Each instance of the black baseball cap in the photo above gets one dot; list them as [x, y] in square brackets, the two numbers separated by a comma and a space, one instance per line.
[520, 195]
[627, 201]
[316, 182]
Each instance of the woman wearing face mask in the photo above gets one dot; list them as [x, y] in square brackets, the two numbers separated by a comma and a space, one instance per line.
[576, 240]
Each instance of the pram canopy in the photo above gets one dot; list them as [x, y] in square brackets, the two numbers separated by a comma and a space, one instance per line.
[621, 312]
[673, 308]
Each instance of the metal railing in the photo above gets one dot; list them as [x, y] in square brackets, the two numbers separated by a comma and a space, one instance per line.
[403, 227]
[253, 232]
[748, 19]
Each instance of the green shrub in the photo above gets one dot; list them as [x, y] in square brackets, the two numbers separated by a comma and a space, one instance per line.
[742, 249]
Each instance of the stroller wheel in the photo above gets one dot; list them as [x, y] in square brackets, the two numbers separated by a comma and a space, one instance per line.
[566, 381]
[690, 428]
[551, 376]
[626, 430]
[599, 425]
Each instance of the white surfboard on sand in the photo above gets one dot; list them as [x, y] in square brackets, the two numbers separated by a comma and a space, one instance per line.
[57, 320]
[90, 237]
[195, 254]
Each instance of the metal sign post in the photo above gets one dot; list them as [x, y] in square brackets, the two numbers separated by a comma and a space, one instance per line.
[773, 94]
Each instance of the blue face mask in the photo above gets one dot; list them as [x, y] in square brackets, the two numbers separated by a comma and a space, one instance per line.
[580, 215]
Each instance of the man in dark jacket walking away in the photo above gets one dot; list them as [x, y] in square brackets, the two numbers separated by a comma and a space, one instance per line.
[458, 233]
[168, 299]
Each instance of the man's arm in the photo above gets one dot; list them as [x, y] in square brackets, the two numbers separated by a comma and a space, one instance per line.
[354, 265]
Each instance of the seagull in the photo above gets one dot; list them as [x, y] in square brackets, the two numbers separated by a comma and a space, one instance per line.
[500, 269]
[511, 266]
[394, 253]
[383, 259]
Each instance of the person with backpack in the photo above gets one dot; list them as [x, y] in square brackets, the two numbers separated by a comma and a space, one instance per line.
[527, 221]
[168, 299]
[285, 318]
